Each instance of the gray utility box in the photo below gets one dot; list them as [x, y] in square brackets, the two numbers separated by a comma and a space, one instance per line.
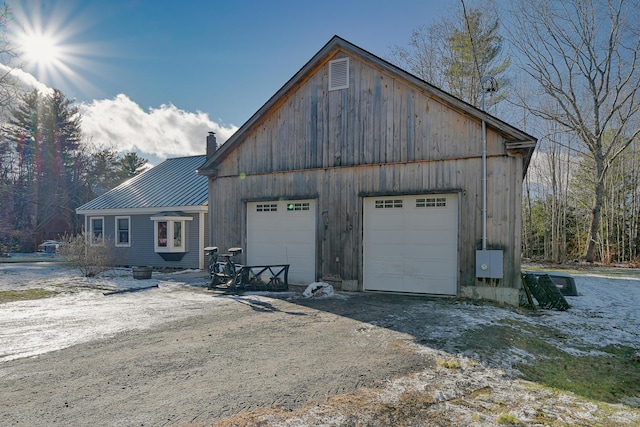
[489, 264]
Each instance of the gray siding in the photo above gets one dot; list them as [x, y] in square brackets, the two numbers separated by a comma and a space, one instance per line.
[141, 252]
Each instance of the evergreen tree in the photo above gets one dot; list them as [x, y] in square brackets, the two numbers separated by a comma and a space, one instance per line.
[474, 49]
[105, 173]
[43, 133]
[131, 164]
[22, 137]
[456, 53]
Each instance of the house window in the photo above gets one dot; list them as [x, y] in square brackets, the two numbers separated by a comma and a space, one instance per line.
[123, 233]
[170, 233]
[161, 233]
[177, 234]
[96, 232]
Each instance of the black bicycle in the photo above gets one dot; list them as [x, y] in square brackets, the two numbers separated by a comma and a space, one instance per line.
[224, 273]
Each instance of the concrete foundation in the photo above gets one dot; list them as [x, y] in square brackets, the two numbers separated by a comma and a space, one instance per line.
[510, 296]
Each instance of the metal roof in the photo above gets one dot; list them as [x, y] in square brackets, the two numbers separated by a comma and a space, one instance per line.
[172, 183]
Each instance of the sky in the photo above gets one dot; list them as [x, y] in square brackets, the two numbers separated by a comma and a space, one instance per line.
[154, 76]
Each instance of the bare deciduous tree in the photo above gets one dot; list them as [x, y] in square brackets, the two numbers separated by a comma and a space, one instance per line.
[8, 54]
[584, 56]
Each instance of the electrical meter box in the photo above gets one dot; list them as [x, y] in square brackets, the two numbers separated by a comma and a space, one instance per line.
[489, 264]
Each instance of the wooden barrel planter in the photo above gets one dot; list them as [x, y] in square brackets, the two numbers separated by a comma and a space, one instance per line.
[142, 273]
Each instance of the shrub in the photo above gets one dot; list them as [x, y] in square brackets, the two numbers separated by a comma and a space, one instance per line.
[90, 259]
[12, 241]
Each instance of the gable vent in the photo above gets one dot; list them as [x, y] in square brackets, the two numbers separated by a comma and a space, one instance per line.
[339, 74]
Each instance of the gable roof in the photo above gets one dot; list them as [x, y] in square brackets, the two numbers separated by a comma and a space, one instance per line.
[173, 183]
[516, 139]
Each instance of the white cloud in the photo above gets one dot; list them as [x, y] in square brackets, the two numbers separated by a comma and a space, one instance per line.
[161, 132]
[121, 124]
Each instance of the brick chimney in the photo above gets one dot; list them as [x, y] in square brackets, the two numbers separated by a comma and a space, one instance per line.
[211, 144]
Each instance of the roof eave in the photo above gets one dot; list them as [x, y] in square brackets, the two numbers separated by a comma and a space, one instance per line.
[143, 211]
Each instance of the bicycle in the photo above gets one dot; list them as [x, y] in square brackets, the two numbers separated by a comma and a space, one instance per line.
[224, 273]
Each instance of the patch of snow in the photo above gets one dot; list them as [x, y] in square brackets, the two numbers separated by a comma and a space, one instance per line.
[606, 312]
[186, 271]
[85, 309]
[319, 290]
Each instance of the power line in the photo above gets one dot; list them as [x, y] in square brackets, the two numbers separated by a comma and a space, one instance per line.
[473, 45]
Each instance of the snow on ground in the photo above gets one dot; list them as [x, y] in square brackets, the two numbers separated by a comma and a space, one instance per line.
[88, 308]
[606, 312]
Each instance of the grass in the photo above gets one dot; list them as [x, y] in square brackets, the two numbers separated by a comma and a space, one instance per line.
[508, 419]
[607, 378]
[449, 364]
[609, 375]
[27, 294]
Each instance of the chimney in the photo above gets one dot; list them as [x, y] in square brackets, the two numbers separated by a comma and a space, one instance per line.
[211, 144]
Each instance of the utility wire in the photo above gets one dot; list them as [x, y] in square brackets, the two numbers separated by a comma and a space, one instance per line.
[473, 45]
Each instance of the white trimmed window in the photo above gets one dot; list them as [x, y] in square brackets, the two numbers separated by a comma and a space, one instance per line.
[96, 230]
[123, 231]
[169, 233]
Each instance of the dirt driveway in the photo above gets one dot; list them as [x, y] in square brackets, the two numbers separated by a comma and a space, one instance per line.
[229, 358]
[279, 361]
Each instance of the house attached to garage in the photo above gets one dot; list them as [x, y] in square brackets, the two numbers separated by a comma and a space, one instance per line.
[362, 175]
[158, 218]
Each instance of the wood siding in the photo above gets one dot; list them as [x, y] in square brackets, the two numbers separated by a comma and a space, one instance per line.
[381, 136]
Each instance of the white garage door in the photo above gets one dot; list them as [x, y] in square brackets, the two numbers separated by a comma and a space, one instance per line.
[283, 232]
[411, 244]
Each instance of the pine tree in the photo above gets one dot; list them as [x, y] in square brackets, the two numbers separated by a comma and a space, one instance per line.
[474, 49]
[457, 52]
[131, 164]
[43, 135]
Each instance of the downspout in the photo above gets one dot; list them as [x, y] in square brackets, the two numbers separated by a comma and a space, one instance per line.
[489, 263]
[491, 88]
[484, 180]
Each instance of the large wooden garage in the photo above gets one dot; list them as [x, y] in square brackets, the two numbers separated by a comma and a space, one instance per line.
[360, 174]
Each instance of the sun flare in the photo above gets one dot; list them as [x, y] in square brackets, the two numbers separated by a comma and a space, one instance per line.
[40, 49]
[54, 44]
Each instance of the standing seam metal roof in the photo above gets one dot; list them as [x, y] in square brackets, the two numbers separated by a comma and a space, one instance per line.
[173, 182]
